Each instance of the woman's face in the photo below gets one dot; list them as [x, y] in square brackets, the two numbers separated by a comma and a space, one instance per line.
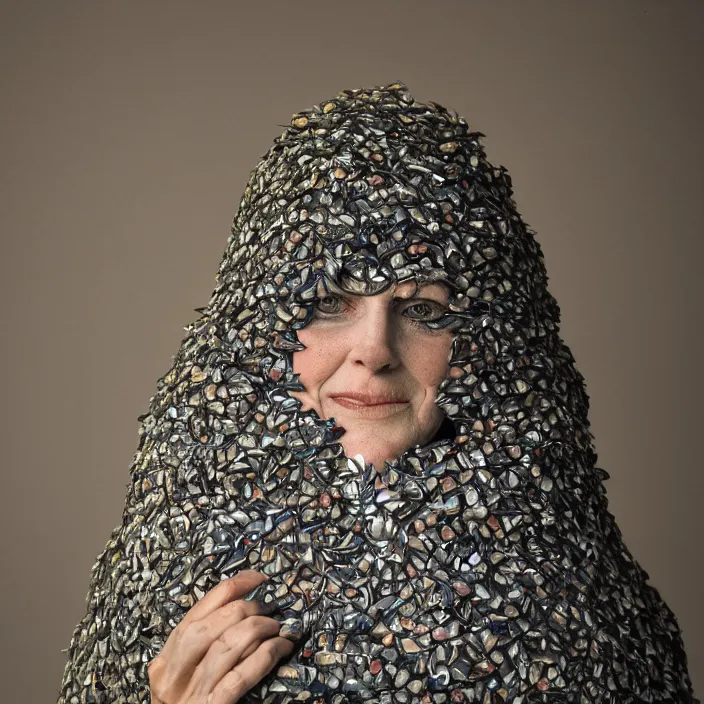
[372, 364]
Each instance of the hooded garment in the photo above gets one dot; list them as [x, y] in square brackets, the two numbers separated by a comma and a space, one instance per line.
[483, 566]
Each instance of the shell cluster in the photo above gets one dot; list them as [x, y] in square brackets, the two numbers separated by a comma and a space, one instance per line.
[485, 568]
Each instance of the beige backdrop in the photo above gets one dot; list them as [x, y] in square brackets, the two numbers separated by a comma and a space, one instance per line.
[128, 132]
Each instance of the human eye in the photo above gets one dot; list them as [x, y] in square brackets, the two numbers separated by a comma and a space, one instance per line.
[329, 305]
[424, 310]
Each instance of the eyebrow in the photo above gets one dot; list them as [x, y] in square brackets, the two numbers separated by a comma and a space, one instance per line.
[335, 288]
[414, 295]
[420, 290]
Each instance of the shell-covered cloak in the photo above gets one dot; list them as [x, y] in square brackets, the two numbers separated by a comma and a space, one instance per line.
[484, 568]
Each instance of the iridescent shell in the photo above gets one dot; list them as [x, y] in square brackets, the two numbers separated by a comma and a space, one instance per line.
[484, 568]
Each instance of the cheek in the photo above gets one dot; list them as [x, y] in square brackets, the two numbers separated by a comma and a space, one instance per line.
[313, 364]
[304, 364]
[431, 361]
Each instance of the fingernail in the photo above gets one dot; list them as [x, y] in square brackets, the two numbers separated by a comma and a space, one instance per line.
[291, 628]
[277, 604]
[254, 594]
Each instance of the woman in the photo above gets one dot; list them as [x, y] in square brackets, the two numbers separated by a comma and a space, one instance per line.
[375, 444]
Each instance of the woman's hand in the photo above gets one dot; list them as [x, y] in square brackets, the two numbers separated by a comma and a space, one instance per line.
[220, 650]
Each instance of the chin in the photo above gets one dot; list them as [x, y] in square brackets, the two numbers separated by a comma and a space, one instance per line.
[368, 460]
[375, 456]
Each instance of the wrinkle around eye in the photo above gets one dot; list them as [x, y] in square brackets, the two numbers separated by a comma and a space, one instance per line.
[338, 298]
[437, 309]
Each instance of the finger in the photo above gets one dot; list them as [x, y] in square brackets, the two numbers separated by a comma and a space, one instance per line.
[228, 590]
[249, 650]
[251, 670]
[228, 649]
[184, 650]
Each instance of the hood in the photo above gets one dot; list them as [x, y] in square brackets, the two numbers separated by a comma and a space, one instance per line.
[480, 568]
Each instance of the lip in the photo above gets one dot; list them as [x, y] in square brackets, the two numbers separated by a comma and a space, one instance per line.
[370, 399]
[371, 407]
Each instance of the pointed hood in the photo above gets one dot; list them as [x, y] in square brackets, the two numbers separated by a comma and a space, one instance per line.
[484, 567]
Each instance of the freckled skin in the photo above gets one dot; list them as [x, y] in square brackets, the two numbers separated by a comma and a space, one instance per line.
[373, 346]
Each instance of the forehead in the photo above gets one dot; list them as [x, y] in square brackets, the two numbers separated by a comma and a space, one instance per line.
[407, 288]
[414, 288]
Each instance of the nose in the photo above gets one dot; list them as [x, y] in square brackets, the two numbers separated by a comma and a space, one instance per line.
[374, 341]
